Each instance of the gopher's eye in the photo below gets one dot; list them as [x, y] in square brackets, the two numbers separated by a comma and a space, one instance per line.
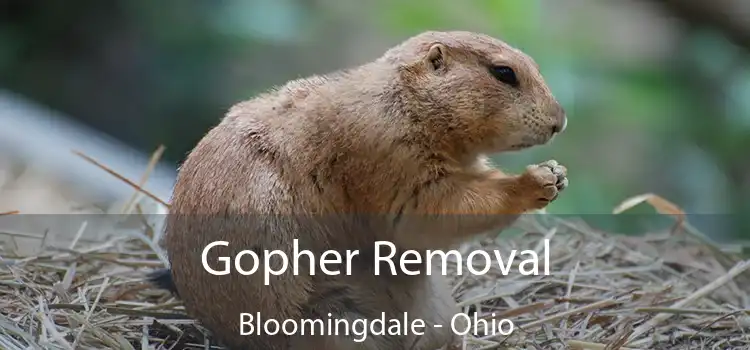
[505, 74]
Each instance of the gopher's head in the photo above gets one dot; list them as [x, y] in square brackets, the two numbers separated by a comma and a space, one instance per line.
[476, 90]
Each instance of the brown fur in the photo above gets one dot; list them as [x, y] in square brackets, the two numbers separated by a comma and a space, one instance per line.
[342, 160]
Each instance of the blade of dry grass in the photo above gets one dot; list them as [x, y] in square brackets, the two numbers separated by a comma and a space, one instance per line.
[155, 157]
[122, 178]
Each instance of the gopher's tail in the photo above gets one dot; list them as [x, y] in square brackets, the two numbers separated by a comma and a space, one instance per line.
[162, 278]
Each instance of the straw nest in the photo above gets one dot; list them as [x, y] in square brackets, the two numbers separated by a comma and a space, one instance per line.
[663, 290]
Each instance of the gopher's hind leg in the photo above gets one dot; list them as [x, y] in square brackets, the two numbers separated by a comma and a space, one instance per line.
[350, 300]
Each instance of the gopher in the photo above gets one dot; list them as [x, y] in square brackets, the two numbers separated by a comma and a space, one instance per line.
[393, 150]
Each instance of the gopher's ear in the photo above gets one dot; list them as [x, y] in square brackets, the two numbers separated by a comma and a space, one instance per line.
[436, 56]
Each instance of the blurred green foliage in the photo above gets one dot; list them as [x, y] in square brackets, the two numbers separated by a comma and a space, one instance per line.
[165, 72]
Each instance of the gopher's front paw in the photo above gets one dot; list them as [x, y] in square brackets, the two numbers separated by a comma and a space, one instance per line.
[542, 183]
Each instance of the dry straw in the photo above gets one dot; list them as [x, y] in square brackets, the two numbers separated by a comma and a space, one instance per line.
[663, 290]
